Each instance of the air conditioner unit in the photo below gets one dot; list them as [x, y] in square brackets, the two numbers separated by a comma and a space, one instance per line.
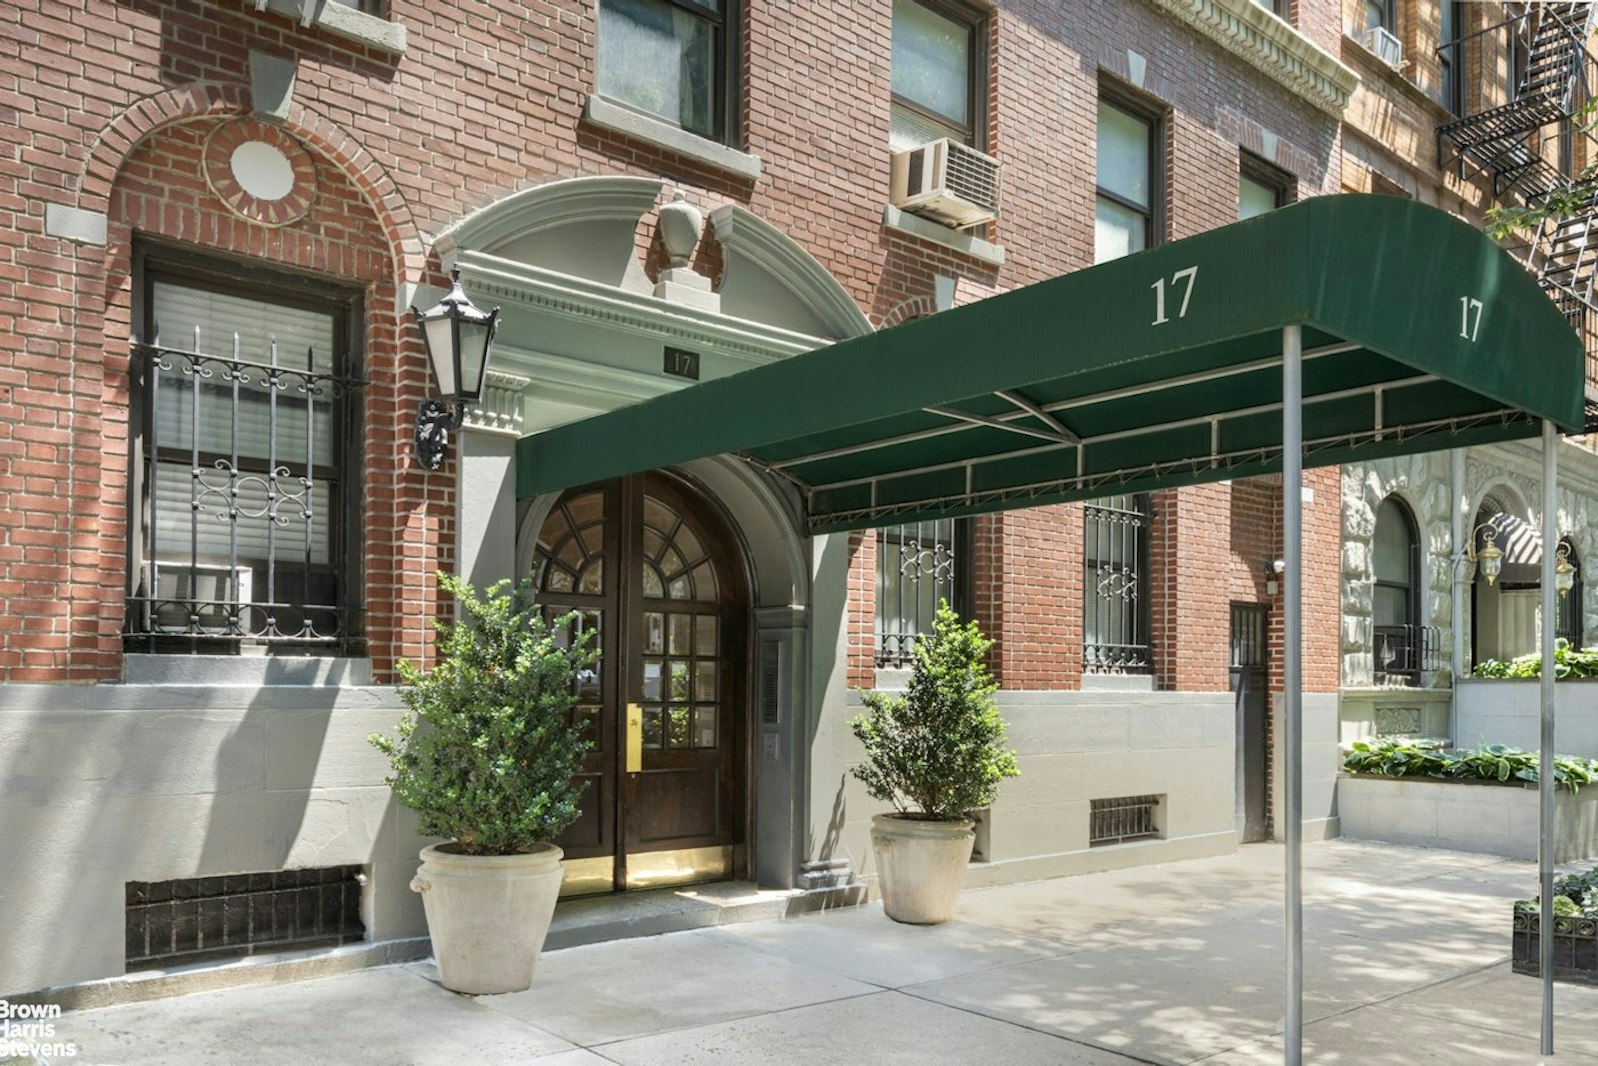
[1386, 47]
[946, 181]
[164, 602]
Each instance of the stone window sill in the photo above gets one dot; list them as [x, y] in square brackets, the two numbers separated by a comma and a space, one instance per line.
[251, 670]
[641, 127]
[975, 247]
[341, 21]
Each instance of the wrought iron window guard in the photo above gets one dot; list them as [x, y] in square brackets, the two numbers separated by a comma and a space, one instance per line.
[216, 590]
[1402, 653]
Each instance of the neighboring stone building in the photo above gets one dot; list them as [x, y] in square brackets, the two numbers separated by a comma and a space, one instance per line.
[1473, 110]
[215, 541]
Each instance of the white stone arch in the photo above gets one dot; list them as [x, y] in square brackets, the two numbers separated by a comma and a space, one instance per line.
[588, 227]
[1420, 483]
[1508, 496]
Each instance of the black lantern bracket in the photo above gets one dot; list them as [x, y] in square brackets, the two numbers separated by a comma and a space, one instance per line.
[434, 421]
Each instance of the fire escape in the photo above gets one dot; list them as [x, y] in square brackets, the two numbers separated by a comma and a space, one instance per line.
[1525, 136]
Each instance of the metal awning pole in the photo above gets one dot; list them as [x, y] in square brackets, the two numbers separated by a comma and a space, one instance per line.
[1292, 678]
[1545, 759]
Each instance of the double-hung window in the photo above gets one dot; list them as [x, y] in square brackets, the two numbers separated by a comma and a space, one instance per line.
[939, 74]
[1380, 13]
[917, 566]
[1261, 188]
[1126, 207]
[1115, 626]
[672, 59]
[244, 448]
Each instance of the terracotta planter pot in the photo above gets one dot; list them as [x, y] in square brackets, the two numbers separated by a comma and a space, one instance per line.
[488, 915]
[920, 866]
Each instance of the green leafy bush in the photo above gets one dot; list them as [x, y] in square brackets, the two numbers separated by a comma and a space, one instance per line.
[1575, 895]
[488, 753]
[937, 752]
[1568, 664]
[1490, 762]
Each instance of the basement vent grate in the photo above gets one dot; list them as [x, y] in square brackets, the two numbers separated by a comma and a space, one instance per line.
[1123, 818]
[199, 919]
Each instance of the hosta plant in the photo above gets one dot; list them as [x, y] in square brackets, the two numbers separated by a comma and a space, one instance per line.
[1490, 762]
[488, 752]
[938, 751]
[1575, 895]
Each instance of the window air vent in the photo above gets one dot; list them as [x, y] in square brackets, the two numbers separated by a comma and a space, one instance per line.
[1386, 47]
[948, 182]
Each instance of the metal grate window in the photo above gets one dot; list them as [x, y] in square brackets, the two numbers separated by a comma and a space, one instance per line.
[242, 431]
[1114, 611]
[205, 918]
[1123, 818]
[916, 567]
[1248, 635]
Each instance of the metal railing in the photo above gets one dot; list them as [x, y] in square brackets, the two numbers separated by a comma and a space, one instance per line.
[1400, 654]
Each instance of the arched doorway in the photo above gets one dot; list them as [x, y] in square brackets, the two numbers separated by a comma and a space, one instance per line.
[652, 567]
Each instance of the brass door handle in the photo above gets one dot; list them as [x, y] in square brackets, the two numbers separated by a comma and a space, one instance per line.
[635, 738]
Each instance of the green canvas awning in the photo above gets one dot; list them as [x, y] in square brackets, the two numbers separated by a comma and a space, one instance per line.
[1156, 370]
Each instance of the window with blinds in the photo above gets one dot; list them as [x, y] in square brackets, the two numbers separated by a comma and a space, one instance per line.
[240, 439]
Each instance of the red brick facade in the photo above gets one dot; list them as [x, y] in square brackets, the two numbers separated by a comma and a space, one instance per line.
[105, 107]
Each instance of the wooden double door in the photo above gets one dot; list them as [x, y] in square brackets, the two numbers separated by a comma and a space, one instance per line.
[655, 573]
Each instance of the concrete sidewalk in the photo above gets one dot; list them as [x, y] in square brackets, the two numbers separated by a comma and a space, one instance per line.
[1406, 962]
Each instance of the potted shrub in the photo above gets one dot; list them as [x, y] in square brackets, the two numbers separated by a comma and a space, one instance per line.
[936, 753]
[487, 756]
[1575, 930]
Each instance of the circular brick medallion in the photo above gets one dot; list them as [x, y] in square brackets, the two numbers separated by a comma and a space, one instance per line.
[260, 172]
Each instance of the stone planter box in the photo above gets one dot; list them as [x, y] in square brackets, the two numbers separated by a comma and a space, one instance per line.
[1479, 816]
[1575, 948]
[1509, 711]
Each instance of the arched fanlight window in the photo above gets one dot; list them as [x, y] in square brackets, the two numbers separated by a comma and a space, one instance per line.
[1397, 636]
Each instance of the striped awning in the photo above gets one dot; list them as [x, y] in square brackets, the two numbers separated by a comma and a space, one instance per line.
[1521, 544]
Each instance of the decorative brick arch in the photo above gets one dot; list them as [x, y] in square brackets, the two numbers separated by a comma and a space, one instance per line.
[214, 99]
[915, 307]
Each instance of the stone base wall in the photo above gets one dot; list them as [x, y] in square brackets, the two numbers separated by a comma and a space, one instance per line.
[108, 784]
[1483, 817]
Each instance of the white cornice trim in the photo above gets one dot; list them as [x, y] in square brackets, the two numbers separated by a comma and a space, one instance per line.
[1248, 30]
[582, 381]
[493, 279]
